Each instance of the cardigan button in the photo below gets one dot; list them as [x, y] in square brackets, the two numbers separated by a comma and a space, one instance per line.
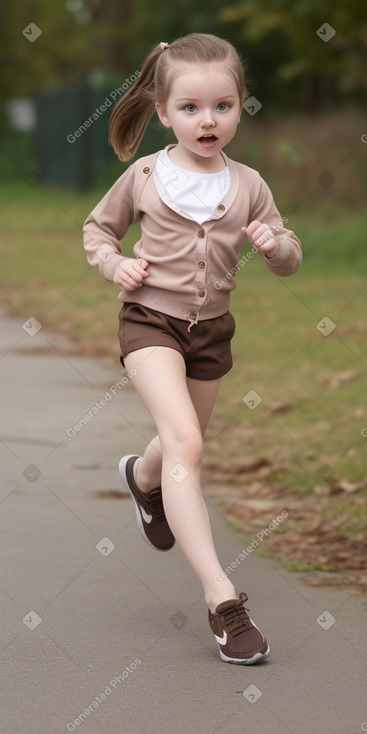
[201, 233]
[192, 315]
[146, 169]
[221, 207]
[201, 264]
[201, 294]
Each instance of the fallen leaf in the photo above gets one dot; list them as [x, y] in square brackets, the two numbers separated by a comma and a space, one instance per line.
[280, 407]
[111, 494]
[337, 485]
[335, 379]
[359, 412]
[343, 485]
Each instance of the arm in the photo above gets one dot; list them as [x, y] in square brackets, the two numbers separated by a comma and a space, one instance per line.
[105, 227]
[279, 247]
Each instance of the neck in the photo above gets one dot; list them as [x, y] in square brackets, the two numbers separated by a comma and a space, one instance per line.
[197, 163]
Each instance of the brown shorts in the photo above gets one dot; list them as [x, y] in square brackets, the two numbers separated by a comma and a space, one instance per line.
[206, 349]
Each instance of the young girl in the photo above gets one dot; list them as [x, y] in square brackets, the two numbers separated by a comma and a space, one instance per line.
[195, 205]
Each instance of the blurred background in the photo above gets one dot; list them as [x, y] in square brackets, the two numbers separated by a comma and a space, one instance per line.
[311, 83]
[63, 65]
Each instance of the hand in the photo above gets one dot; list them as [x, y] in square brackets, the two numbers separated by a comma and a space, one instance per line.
[130, 273]
[262, 237]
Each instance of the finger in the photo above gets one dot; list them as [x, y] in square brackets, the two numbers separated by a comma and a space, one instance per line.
[251, 228]
[134, 282]
[139, 270]
[263, 236]
[125, 280]
[143, 263]
[132, 273]
[270, 247]
[127, 286]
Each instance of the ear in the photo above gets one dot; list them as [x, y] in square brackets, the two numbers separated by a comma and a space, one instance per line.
[161, 112]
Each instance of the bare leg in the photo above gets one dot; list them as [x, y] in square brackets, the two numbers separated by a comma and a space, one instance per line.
[148, 469]
[163, 388]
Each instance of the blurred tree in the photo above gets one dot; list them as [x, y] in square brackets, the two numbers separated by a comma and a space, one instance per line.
[318, 67]
[63, 51]
[153, 21]
[290, 64]
[112, 32]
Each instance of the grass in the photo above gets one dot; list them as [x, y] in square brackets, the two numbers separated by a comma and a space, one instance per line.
[278, 350]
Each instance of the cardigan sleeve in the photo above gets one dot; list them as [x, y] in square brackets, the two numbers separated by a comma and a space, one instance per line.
[289, 257]
[108, 223]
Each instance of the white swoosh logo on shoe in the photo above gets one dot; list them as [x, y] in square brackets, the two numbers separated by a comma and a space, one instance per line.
[221, 640]
[146, 517]
[255, 625]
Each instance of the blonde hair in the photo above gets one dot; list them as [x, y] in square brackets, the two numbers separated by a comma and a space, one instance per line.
[132, 113]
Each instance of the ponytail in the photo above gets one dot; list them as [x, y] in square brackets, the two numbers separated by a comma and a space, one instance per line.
[132, 113]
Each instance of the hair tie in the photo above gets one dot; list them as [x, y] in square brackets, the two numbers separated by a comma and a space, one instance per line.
[163, 45]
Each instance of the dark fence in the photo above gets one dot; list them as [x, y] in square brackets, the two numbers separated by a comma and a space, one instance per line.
[72, 137]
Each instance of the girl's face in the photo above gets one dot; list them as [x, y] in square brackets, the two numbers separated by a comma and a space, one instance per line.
[203, 109]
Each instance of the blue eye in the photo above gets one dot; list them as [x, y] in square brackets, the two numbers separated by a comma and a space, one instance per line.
[190, 108]
[223, 106]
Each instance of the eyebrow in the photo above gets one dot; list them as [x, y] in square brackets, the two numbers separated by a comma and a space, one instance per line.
[195, 99]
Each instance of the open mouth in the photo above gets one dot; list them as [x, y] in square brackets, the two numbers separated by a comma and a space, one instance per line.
[208, 140]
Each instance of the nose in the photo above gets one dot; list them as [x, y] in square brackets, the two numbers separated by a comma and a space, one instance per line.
[207, 119]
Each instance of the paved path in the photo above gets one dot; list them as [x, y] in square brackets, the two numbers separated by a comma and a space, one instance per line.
[121, 631]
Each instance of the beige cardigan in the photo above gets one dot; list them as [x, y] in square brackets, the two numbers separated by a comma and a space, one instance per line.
[191, 265]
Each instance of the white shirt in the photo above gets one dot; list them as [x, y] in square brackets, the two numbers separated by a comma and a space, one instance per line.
[196, 194]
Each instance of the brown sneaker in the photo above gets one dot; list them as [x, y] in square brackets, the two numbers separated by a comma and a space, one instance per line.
[238, 638]
[150, 515]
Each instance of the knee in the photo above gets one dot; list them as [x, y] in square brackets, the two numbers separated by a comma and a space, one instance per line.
[192, 448]
[186, 444]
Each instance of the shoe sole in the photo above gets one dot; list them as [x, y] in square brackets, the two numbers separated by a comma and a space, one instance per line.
[122, 472]
[258, 657]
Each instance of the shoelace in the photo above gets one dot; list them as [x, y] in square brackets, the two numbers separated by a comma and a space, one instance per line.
[154, 501]
[237, 620]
